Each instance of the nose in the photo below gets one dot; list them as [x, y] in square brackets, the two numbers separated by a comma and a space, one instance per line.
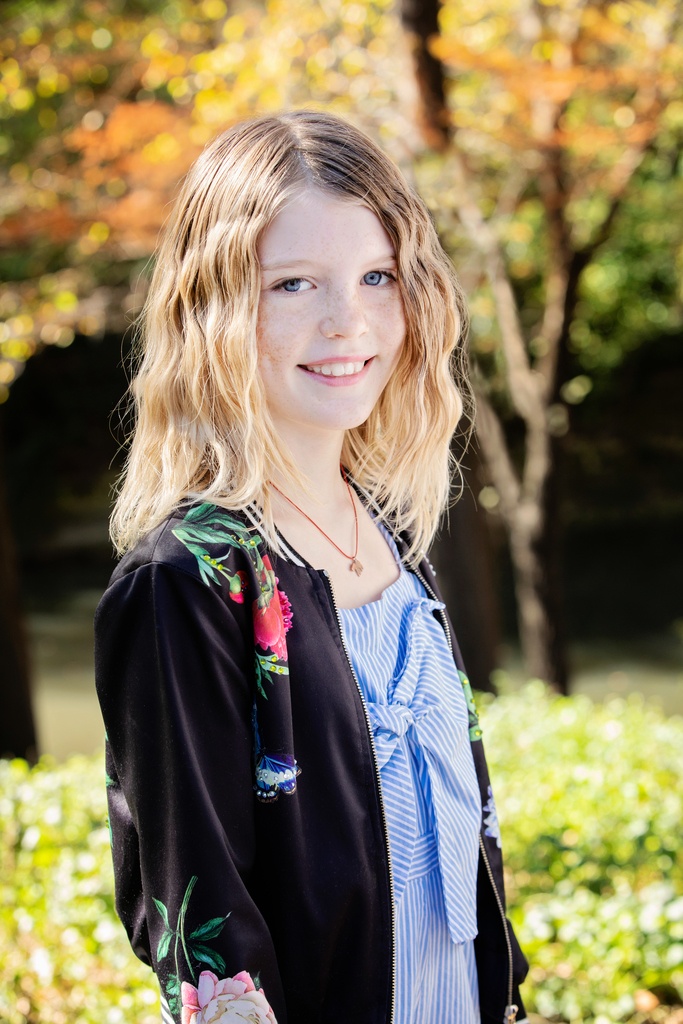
[343, 316]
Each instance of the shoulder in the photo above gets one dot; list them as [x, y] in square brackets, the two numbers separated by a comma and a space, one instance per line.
[204, 561]
[194, 575]
[205, 541]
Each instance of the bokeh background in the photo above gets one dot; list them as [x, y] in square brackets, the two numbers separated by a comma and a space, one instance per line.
[545, 136]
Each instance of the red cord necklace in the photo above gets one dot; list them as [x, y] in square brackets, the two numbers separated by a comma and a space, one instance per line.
[355, 564]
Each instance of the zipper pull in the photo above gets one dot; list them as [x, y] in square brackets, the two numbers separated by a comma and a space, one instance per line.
[510, 1015]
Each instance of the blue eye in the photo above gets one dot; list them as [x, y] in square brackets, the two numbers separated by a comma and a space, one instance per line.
[375, 277]
[293, 285]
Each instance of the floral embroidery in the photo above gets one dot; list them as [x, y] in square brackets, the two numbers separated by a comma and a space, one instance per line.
[272, 613]
[475, 728]
[193, 946]
[275, 773]
[491, 822]
[237, 1000]
[207, 524]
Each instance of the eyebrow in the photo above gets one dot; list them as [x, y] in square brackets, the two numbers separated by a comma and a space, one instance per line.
[288, 264]
[285, 263]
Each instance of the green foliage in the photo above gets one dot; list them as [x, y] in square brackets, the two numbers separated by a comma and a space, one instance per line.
[103, 107]
[591, 803]
[64, 957]
[547, 114]
[590, 799]
[632, 290]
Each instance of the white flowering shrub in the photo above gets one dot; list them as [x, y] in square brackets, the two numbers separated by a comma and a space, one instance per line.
[590, 799]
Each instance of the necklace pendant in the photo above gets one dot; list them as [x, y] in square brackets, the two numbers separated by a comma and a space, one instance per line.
[356, 566]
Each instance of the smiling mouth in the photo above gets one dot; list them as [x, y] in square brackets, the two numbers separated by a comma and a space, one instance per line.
[337, 369]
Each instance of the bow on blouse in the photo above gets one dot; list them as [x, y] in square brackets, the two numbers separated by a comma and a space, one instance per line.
[418, 724]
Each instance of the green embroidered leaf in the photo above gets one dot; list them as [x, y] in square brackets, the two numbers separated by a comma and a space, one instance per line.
[172, 985]
[207, 574]
[208, 956]
[473, 716]
[208, 513]
[267, 664]
[259, 676]
[172, 988]
[209, 568]
[163, 911]
[211, 929]
[188, 892]
[209, 535]
[164, 944]
[276, 670]
[198, 511]
[217, 535]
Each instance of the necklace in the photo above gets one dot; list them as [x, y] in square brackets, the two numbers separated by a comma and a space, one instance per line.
[356, 565]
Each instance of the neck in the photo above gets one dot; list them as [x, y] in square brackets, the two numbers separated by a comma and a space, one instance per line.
[317, 459]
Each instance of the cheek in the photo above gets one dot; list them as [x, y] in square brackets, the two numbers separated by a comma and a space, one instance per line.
[396, 330]
[394, 321]
[269, 339]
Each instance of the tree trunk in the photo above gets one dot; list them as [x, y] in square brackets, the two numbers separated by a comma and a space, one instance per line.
[420, 19]
[535, 549]
[528, 503]
[17, 728]
[465, 563]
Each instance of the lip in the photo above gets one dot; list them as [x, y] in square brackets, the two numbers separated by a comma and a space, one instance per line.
[342, 381]
[358, 357]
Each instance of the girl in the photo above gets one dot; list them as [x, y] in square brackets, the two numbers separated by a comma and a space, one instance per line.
[303, 827]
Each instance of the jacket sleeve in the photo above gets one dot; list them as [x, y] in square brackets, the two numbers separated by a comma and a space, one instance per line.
[174, 679]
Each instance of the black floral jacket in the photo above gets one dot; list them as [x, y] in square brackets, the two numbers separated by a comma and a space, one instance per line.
[250, 849]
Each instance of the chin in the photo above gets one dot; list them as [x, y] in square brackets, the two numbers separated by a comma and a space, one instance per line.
[350, 423]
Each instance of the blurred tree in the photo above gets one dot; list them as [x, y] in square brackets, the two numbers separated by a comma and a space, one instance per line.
[550, 124]
[103, 108]
[537, 117]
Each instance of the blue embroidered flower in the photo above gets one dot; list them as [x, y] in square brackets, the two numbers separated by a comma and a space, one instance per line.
[491, 822]
[275, 775]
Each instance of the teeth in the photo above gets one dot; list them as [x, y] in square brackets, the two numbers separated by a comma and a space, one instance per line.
[337, 369]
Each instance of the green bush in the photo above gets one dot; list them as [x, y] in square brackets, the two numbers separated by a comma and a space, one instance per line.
[64, 957]
[590, 798]
[591, 805]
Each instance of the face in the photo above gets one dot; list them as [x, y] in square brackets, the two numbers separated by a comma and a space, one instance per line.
[330, 319]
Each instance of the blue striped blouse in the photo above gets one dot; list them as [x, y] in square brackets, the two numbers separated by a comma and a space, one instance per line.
[418, 715]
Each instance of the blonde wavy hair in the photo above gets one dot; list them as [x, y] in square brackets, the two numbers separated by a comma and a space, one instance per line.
[202, 427]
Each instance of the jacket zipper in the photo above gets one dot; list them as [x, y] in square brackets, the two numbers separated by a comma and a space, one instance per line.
[385, 828]
[510, 1015]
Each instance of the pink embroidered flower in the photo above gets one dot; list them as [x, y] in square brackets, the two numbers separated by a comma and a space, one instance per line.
[274, 619]
[269, 627]
[230, 1001]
